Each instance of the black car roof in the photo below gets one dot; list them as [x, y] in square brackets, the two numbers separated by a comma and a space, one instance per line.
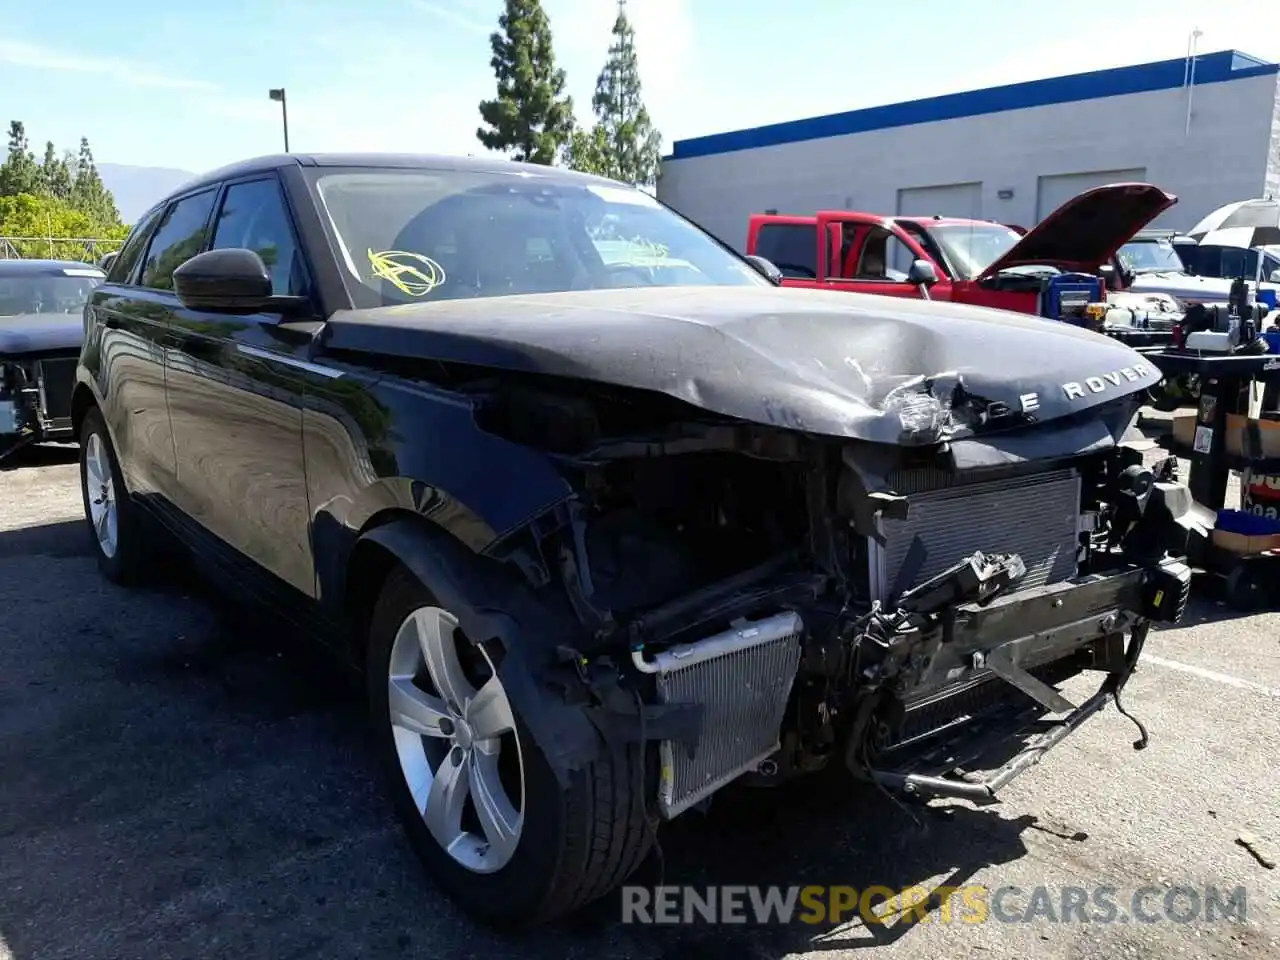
[37, 268]
[385, 161]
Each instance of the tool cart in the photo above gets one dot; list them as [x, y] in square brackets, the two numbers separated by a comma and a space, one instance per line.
[1224, 438]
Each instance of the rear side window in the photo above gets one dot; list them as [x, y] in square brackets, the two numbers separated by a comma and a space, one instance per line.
[791, 247]
[180, 237]
[122, 268]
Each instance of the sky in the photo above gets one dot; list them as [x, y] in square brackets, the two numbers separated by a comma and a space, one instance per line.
[154, 84]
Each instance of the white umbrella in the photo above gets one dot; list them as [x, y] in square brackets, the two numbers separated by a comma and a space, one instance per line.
[1244, 225]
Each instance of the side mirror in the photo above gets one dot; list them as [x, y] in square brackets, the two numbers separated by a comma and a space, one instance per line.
[922, 274]
[1108, 274]
[1275, 276]
[766, 267]
[226, 281]
[107, 260]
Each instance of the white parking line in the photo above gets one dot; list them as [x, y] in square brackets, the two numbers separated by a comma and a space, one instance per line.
[1203, 674]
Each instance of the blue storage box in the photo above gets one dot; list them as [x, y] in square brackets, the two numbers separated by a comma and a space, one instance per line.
[1246, 524]
[1273, 340]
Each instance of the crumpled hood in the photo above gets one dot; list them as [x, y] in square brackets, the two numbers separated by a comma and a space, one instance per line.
[834, 363]
[33, 333]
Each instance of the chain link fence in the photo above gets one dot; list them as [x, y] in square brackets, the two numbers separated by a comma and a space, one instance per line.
[80, 249]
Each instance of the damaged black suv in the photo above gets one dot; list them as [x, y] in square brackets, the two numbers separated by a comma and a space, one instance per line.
[609, 520]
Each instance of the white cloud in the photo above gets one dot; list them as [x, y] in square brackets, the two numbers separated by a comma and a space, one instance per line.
[416, 113]
[664, 48]
[455, 16]
[22, 54]
[337, 120]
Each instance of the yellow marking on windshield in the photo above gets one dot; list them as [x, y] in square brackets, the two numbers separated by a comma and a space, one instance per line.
[410, 273]
[649, 248]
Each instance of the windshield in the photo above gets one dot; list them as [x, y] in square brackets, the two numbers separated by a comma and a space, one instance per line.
[972, 247]
[62, 292]
[1231, 262]
[1151, 256]
[426, 235]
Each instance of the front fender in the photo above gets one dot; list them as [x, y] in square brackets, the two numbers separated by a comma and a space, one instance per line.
[491, 604]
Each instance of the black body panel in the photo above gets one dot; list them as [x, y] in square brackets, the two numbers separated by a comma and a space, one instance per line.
[835, 364]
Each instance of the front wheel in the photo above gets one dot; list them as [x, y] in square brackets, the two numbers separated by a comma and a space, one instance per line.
[479, 801]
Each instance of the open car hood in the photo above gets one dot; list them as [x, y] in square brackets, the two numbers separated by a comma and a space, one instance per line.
[1087, 230]
[840, 364]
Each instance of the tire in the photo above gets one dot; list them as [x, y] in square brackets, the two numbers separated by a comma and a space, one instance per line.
[116, 530]
[1245, 591]
[1164, 399]
[570, 846]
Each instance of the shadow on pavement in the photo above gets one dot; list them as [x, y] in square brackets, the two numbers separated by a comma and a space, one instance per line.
[188, 777]
[66, 538]
[41, 455]
[821, 832]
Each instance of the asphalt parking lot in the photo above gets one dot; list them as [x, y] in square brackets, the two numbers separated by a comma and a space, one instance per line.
[182, 778]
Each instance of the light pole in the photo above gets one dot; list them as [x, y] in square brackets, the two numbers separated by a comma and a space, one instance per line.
[1189, 74]
[277, 94]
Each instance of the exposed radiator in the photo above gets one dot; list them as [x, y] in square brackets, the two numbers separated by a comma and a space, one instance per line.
[742, 678]
[57, 380]
[1036, 517]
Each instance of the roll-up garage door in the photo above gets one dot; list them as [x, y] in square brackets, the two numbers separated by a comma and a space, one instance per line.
[945, 200]
[1052, 192]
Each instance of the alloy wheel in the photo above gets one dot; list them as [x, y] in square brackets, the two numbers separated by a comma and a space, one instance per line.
[456, 740]
[100, 488]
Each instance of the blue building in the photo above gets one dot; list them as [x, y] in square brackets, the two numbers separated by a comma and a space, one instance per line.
[1010, 153]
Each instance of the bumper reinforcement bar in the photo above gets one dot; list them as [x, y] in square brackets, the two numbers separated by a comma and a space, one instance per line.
[936, 773]
[984, 790]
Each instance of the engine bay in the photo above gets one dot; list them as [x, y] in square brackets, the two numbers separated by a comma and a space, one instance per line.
[823, 600]
[35, 400]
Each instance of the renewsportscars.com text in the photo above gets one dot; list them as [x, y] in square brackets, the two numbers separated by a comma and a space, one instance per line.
[969, 904]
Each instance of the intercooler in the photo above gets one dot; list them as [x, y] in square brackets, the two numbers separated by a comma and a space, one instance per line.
[1036, 517]
[742, 679]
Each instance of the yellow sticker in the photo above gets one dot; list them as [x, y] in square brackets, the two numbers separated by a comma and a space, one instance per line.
[649, 248]
[1159, 597]
[410, 273]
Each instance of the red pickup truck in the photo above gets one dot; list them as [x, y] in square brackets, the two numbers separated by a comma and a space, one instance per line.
[966, 261]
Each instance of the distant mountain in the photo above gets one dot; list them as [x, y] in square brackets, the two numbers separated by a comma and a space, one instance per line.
[137, 188]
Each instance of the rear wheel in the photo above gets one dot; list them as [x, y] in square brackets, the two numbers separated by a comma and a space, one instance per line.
[114, 524]
[477, 797]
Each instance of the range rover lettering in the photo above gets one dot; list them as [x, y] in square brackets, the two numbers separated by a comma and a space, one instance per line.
[609, 521]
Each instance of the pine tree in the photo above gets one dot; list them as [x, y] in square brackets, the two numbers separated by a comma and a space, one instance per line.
[55, 174]
[623, 145]
[531, 116]
[20, 173]
[88, 193]
[588, 152]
